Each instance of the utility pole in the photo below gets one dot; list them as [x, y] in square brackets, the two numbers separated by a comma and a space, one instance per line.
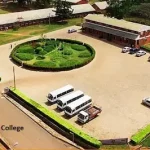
[14, 77]
[49, 18]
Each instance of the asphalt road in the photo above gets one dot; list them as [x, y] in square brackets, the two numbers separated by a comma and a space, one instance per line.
[32, 136]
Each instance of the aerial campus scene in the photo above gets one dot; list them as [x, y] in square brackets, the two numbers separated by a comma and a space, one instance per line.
[74, 74]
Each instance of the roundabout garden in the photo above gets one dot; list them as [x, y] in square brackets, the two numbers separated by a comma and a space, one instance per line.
[53, 54]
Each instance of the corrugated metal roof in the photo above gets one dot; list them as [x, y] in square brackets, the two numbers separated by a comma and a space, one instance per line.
[118, 23]
[26, 15]
[40, 14]
[83, 8]
[112, 31]
[101, 5]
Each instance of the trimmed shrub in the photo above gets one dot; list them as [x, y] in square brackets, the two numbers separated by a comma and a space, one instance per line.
[140, 135]
[40, 57]
[64, 124]
[67, 52]
[38, 49]
[50, 42]
[42, 52]
[78, 47]
[49, 48]
[24, 56]
[25, 49]
[85, 54]
[69, 63]
[45, 64]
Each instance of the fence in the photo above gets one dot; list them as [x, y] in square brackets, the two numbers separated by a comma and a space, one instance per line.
[119, 141]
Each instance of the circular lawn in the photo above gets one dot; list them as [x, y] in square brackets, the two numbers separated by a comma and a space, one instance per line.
[53, 54]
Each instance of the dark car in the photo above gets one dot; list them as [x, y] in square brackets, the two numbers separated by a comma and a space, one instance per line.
[133, 50]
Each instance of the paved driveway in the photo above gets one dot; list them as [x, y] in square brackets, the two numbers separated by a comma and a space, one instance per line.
[115, 81]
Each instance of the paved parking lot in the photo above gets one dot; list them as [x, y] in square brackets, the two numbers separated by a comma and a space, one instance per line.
[117, 82]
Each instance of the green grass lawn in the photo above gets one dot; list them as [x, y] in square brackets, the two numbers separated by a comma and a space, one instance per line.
[25, 32]
[146, 46]
[146, 142]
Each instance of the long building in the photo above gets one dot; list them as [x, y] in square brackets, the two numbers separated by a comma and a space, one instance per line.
[32, 17]
[118, 31]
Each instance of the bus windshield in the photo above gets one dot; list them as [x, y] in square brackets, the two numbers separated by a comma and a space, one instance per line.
[68, 109]
[50, 96]
[81, 116]
[59, 103]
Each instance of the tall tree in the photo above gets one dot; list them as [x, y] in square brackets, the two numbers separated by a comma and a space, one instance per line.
[120, 8]
[63, 9]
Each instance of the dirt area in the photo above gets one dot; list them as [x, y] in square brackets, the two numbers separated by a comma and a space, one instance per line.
[117, 82]
[33, 136]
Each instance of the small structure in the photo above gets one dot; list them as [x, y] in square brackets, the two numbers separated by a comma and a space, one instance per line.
[76, 2]
[100, 7]
[119, 31]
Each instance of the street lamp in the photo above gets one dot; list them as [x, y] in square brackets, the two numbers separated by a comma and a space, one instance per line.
[14, 77]
[72, 136]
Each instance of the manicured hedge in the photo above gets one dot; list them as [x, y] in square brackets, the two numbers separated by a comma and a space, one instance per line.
[44, 64]
[67, 52]
[140, 135]
[59, 66]
[62, 122]
[40, 57]
[85, 54]
[78, 47]
[24, 56]
[49, 48]
[25, 49]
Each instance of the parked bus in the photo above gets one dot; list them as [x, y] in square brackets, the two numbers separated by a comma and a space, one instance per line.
[78, 105]
[54, 95]
[65, 100]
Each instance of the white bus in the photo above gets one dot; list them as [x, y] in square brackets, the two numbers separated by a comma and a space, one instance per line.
[54, 95]
[65, 100]
[78, 105]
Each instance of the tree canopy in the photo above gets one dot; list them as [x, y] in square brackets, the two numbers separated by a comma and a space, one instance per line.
[121, 8]
[63, 9]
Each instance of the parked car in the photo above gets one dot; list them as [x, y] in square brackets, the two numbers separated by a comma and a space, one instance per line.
[146, 101]
[72, 30]
[133, 50]
[140, 53]
[126, 49]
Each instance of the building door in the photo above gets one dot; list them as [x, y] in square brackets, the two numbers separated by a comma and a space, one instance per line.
[109, 37]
